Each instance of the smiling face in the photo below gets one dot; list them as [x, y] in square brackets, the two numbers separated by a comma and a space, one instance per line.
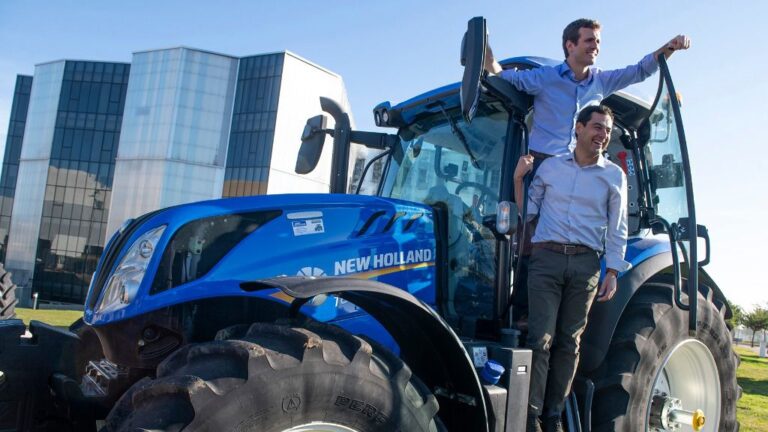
[592, 138]
[585, 51]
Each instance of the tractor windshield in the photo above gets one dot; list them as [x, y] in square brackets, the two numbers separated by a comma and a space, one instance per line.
[456, 168]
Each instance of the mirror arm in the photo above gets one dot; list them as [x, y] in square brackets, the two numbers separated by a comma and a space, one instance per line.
[374, 140]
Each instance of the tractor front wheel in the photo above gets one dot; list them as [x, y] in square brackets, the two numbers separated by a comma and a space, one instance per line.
[279, 378]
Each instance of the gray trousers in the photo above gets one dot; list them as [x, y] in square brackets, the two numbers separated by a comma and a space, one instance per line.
[561, 289]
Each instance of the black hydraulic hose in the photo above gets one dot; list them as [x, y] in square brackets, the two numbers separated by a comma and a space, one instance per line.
[524, 230]
[673, 242]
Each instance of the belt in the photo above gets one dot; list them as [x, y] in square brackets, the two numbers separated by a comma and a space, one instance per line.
[563, 248]
[539, 155]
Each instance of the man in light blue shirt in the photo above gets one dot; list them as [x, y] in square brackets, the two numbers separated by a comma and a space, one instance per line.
[581, 201]
[561, 92]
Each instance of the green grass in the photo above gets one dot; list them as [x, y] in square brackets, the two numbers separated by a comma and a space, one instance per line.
[752, 409]
[60, 318]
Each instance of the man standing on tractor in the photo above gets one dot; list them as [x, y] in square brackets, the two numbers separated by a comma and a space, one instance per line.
[581, 200]
[560, 92]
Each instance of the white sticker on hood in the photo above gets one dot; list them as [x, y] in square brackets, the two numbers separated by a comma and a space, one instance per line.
[308, 226]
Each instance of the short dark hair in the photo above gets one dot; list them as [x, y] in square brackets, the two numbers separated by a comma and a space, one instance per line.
[571, 31]
[585, 115]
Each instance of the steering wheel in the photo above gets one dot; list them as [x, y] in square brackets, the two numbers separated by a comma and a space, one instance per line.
[485, 191]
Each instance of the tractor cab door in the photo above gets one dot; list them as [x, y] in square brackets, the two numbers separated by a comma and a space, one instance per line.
[669, 190]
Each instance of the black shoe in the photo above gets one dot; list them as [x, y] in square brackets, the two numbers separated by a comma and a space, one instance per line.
[553, 424]
[533, 425]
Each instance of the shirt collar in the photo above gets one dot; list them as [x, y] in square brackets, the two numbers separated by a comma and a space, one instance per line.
[565, 71]
[600, 160]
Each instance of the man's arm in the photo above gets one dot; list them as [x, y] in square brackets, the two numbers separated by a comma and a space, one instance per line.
[524, 166]
[491, 65]
[529, 81]
[615, 239]
[617, 79]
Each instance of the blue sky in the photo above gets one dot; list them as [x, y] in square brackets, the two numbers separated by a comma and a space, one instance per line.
[394, 50]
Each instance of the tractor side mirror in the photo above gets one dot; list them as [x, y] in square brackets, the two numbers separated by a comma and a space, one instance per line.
[473, 59]
[312, 140]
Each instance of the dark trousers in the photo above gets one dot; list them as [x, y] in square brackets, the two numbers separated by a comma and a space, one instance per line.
[561, 289]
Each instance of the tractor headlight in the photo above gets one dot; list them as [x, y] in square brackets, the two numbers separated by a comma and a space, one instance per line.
[123, 283]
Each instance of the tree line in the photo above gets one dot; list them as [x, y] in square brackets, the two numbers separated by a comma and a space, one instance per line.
[755, 320]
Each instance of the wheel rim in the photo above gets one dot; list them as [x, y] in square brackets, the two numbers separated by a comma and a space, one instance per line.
[320, 427]
[689, 373]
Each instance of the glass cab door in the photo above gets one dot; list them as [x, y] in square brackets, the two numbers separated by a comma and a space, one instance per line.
[670, 191]
[456, 168]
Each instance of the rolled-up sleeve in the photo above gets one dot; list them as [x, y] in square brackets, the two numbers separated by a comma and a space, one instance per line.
[617, 79]
[616, 235]
[529, 81]
[535, 195]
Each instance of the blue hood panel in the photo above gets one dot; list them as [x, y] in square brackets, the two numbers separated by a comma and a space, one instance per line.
[367, 237]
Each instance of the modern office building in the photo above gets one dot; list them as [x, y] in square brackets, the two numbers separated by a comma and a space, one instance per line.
[12, 153]
[104, 142]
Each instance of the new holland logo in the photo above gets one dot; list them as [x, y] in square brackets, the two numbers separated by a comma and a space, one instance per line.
[382, 260]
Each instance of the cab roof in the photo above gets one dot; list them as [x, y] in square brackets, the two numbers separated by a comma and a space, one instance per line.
[631, 109]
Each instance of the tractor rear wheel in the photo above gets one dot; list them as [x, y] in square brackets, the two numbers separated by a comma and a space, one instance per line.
[655, 370]
[273, 377]
[7, 295]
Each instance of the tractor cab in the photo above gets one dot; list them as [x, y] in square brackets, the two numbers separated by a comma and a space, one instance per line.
[458, 168]
[456, 149]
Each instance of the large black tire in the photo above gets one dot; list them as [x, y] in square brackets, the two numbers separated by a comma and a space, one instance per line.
[7, 295]
[271, 377]
[648, 331]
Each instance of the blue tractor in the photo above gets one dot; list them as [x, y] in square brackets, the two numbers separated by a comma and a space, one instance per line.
[389, 312]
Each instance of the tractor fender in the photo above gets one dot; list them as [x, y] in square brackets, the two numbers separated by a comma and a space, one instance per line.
[604, 317]
[427, 343]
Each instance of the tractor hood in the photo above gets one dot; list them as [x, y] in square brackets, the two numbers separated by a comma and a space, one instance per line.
[208, 249]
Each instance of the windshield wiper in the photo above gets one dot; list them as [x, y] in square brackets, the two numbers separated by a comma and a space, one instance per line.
[460, 135]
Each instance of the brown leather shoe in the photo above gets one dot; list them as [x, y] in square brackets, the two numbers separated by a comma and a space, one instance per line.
[553, 424]
[533, 425]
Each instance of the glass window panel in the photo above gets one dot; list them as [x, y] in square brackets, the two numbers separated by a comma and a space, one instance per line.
[81, 176]
[115, 92]
[101, 233]
[66, 152]
[77, 137]
[45, 228]
[74, 92]
[77, 211]
[58, 196]
[71, 179]
[69, 194]
[93, 97]
[87, 209]
[85, 228]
